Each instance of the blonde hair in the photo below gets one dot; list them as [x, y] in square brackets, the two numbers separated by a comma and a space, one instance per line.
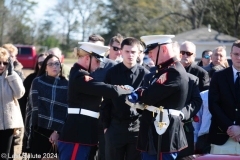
[10, 48]
[78, 52]
[3, 53]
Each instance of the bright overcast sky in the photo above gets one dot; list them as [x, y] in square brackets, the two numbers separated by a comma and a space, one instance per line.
[42, 7]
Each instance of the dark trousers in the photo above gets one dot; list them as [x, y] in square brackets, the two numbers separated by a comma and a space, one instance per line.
[120, 144]
[40, 142]
[6, 137]
[190, 149]
[93, 153]
[203, 146]
[101, 150]
[101, 145]
[163, 156]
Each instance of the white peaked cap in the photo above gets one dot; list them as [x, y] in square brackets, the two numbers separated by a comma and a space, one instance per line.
[94, 48]
[160, 39]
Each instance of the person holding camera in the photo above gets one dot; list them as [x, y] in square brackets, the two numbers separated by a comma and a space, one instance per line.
[11, 89]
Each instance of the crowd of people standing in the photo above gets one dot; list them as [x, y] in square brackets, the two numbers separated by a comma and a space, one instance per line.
[83, 111]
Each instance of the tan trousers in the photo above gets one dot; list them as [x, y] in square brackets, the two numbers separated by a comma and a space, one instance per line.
[230, 147]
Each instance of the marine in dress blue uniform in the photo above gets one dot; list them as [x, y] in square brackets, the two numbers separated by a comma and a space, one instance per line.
[85, 93]
[168, 87]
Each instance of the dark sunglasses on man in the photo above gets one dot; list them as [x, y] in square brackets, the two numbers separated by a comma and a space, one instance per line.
[206, 56]
[187, 53]
[116, 48]
[4, 63]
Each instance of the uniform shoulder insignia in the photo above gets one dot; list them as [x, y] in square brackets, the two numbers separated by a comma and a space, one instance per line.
[87, 78]
[162, 79]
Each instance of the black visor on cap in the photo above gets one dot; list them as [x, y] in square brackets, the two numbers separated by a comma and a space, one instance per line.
[150, 47]
[100, 58]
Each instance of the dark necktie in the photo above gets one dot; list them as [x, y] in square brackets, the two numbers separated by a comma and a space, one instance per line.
[237, 86]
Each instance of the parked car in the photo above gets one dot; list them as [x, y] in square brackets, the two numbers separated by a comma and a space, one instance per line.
[26, 55]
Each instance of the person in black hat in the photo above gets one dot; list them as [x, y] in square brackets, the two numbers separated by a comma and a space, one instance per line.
[84, 96]
[168, 87]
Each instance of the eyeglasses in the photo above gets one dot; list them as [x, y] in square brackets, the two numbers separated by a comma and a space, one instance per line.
[40, 63]
[4, 63]
[53, 64]
[116, 48]
[206, 56]
[187, 53]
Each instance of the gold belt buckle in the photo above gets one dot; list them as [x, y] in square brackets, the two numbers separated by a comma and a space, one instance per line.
[161, 124]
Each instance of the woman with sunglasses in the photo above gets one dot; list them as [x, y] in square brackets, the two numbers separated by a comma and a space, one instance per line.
[47, 109]
[28, 81]
[11, 89]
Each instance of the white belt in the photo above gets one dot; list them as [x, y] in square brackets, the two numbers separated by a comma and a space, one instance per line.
[83, 112]
[170, 111]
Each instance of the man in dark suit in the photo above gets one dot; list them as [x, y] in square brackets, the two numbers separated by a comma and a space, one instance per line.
[224, 105]
[192, 106]
[187, 55]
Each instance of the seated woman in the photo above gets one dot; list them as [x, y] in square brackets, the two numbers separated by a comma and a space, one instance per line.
[11, 89]
[47, 109]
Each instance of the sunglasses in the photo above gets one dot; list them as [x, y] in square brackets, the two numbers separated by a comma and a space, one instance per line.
[54, 64]
[40, 63]
[206, 56]
[116, 48]
[4, 63]
[187, 53]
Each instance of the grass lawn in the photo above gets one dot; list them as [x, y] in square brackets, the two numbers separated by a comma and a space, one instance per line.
[70, 60]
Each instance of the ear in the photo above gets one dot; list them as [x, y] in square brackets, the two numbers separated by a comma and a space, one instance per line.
[164, 48]
[87, 57]
[121, 52]
[180, 56]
